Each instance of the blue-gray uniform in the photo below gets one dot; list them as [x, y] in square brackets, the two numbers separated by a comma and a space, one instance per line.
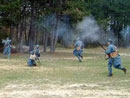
[7, 47]
[116, 62]
[37, 51]
[31, 61]
[78, 52]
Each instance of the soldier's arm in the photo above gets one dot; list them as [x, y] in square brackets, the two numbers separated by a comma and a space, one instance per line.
[75, 44]
[108, 50]
[3, 41]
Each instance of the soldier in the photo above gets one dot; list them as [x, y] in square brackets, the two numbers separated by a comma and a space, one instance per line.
[78, 49]
[114, 58]
[37, 52]
[31, 61]
[7, 47]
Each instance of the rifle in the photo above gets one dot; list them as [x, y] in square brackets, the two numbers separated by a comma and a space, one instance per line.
[107, 56]
[101, 46]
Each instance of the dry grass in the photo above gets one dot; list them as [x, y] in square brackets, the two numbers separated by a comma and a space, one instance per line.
[60, 75]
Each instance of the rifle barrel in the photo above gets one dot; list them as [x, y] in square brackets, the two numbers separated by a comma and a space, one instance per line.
[101, 46]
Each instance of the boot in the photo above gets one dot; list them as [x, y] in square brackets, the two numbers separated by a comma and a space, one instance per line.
[110, 75]
[81, 57]
[80, 60]
[35, 64]
[124, 69]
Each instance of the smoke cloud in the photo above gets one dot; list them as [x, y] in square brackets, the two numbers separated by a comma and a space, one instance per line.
[89, 29]
[125, 33]
[58, 26]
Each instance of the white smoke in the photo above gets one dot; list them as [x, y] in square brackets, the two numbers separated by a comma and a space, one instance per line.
[89, 29]
[125, 33]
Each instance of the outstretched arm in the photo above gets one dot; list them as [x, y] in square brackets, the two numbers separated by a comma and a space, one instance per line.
[3, 41]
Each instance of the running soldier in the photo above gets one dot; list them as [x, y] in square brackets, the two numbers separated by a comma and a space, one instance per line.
[113, 58]
[7, 47]
[78, 50]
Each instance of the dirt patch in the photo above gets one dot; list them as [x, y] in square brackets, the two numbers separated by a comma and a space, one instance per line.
[60, 91]
[74, 58]
[124, 54]
[75, 68]
[9, 60]
[5, 67]
[38, 68]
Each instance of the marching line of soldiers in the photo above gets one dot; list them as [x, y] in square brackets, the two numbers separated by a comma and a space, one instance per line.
[114, 58]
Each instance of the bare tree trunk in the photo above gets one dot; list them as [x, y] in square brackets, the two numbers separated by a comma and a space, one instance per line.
[25, 32]
[31, 36]
[52, 41]
[11, 31]
[17, 32]
[32, 28]
[36, 38]
[21, 38]
[54, 36]
[45, 40]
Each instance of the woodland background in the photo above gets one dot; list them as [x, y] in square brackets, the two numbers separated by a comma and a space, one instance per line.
[52, 23]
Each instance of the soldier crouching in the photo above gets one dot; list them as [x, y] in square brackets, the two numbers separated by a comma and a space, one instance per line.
[31, 61]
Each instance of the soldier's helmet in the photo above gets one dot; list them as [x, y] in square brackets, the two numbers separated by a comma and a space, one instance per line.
[110, 40]
[7, 38]
[37, 46]
[32, 52]
[78, 38]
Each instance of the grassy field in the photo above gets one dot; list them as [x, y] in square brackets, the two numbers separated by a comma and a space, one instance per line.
[60, 75]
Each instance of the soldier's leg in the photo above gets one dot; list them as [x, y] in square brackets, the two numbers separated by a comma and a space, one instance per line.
[34, 63]
[9, 53]
[79, 58]
[5, 52]
[118, 64]
[81, 52]
[121, 68]
[30, 62]
[110, 67]
[77, 54]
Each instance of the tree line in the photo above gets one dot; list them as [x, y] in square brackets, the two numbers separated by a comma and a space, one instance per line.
[30, 22]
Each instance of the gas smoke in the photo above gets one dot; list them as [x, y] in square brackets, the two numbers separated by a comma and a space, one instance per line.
[88, 29]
